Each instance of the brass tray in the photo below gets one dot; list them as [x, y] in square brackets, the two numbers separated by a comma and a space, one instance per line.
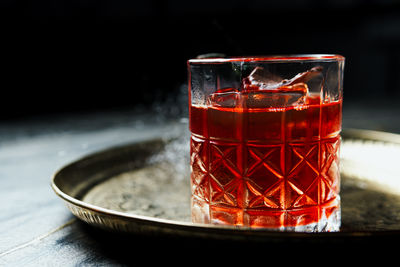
[144, 188]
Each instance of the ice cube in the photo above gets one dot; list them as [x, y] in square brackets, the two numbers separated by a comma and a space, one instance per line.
[284, 96]
[304, 77]
[313, 78]
[261, 79]
[264, 89]
[226, 98]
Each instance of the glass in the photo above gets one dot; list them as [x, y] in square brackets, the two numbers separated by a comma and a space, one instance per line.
[265, 140]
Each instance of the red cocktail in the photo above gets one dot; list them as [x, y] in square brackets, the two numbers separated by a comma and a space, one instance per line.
[267, 155]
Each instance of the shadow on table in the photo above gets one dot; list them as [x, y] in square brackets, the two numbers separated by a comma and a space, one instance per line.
[118, 248]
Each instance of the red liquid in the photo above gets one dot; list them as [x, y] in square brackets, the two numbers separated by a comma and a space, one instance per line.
[265, 167]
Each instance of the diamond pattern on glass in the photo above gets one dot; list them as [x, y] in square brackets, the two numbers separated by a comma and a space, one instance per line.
[223, 159]
[199, 173]
[224, 194]
[263, 177]
[303, 174]
[270, 198]
[264, 156]
[225, 182]
[300, 198]
[330, 172]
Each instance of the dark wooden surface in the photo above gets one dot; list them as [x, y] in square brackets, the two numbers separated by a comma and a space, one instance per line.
[36, 229]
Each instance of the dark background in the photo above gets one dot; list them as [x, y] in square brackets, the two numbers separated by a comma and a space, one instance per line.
[63, 56]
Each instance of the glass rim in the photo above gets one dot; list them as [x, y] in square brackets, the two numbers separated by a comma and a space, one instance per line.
[271, 58]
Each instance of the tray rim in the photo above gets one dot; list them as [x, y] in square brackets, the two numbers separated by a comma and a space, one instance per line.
[193, 229]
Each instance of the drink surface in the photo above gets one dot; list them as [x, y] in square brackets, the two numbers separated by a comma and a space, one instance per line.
[264, 166]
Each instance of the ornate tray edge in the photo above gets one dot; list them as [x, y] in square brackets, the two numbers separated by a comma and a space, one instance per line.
[112, 220]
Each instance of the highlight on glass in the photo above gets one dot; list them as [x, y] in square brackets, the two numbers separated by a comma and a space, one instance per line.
[265, 141]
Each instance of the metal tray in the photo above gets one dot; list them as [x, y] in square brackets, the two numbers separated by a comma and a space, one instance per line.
[144, 188]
